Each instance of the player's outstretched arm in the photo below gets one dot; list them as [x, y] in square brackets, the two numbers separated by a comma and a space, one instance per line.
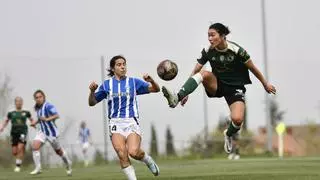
[267, 86]
[154, 86]
[33, 122]
[4, 125]
[92, 98]
[50, 118]
[196, 69]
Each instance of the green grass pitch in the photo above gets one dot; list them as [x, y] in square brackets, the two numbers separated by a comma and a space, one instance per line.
[244, 169]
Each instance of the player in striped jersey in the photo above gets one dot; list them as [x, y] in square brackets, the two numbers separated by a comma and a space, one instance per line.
[85, 140]
[121, 93]
[47, 115]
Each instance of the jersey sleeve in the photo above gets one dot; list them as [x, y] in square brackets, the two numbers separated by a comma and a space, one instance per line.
[203, 57]
[9, 115]
[101, 93]
[28, 114]
[142, 87]
[52, 109]
[243, 54]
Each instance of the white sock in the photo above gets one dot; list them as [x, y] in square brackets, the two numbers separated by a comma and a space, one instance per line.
[198, 78]
[130, 173]
[18, 162]
[36, 159]
[65, 158]
[146, 159]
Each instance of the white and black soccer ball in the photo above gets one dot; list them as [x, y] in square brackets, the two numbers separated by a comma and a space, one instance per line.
[167, 70]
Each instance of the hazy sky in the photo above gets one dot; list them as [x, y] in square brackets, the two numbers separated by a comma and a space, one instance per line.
[56, 46]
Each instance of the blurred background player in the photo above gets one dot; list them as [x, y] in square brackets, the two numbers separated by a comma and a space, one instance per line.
[19, 130]
[121, 92]
[85, 140]
[47, 115]
[230, 65]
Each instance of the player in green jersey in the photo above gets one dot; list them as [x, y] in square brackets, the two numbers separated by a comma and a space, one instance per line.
[19, 130]
[230, 65]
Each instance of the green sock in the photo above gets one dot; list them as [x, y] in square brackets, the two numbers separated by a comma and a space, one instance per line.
[189, 86]
[237, 151]
[232, 129]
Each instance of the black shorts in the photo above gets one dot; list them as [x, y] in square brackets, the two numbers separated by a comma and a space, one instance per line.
[229, 92]
[17, 138]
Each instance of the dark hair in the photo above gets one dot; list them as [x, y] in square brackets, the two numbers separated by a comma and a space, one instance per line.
[36, 106]
[220, 28]
[113, 63]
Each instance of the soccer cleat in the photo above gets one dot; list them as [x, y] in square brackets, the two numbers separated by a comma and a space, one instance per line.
[69, 169]
[236, 157]
[153, 167]
[36, 171]
[17, 169]
[171, 97]
[69, 172]
[227, 142]
[230, 157]
[86, 163]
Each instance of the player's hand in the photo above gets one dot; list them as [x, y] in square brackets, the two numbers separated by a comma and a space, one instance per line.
[270, 88]
[184, 100]
[147, 78]
[43, 118]
[93, 86]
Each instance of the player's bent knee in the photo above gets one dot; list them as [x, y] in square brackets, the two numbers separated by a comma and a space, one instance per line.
[237, 120]
[59, 152]
[133, 152]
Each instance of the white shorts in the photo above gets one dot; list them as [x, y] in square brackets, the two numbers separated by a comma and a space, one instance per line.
[124, 126]
[54, 141]
[85, 145]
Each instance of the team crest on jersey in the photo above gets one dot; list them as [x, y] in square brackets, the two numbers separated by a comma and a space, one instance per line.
[213, 58]
[222, 58]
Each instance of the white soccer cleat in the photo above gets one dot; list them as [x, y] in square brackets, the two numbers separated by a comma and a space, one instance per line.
[36, 171]
[227, 142]
[153, 167]
[69, 169]
[86, 163]
[69, 172]
[236, 157]
[171, 97]
[231, 156]
[17, 169]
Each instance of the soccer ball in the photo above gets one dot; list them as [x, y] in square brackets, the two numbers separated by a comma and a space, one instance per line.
[167, 70]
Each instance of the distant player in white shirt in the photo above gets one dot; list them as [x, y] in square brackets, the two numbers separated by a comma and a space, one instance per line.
[47, 115]
[85, 140]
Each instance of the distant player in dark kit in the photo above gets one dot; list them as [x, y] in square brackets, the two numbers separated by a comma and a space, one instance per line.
[230, 65]
[19, 130]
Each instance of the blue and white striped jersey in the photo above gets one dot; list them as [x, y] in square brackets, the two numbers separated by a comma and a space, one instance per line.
[49, 128]
[122, 96]
[84, 135]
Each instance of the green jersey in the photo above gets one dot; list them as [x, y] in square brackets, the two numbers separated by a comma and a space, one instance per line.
[19, 121]
[228, 65]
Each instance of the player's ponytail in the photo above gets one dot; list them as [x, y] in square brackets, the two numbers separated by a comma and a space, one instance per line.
[220, 28]
[113, 63]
